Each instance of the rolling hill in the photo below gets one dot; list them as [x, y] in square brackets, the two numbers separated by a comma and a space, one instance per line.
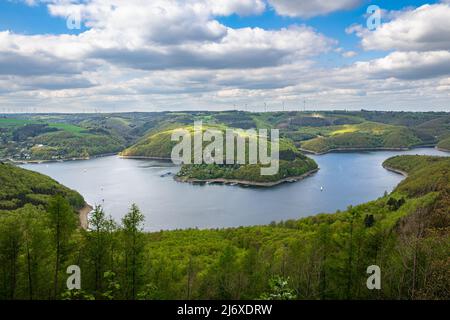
[20, 187]
[158, 144]
[444, 144]
[367, 135]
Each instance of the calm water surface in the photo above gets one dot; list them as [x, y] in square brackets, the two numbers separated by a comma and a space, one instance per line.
[346, 178]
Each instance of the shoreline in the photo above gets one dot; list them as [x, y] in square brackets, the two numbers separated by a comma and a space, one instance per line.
[398, 171]
[84, 215]
[337, 150]
[144, 158]
[246, 182]
[442, 149]
[59, 160]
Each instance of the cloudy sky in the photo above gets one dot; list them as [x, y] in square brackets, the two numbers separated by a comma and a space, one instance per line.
[153, 55]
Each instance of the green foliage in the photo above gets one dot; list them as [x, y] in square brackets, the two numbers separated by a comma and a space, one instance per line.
[31, 137]
[279, 290]
[133, 245]
[66, 145]
[367, 135]
[112, 285]
[444, 144]
[247, 173]
[395, 204]
[19, 187]
[99, 247]
[76, 295]
[320, 257]
[62, 223]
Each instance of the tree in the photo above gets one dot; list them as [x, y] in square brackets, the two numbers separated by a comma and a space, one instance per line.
[97, 246]
[36, 246]
[10, 242]
[133, 247]
[63, 223]
[112, 286]
[353, 215]
[279, 290]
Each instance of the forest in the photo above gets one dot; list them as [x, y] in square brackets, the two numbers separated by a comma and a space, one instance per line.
[37, 137]
[405, 233]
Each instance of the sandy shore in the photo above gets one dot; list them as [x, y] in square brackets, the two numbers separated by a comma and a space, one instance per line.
[246, 182]
[84, 213]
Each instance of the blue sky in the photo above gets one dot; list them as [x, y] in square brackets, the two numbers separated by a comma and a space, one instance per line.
[181, 45]
[19, 17]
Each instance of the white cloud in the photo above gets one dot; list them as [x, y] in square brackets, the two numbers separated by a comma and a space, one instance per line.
[426, 28]
[408, 65]
[176, 55]
[311, 8]
[349, 54]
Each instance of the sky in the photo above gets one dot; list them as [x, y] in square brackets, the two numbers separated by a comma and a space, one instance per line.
[254, 55]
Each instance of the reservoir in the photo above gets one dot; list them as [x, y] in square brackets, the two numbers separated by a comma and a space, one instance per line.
[343, 179]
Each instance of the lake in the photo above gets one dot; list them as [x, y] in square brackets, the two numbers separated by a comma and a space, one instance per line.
[347, 179]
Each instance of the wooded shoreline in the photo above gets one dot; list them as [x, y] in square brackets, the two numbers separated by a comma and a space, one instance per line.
[247, 182]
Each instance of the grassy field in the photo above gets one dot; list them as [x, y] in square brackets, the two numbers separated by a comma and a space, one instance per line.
[12, 122]
[67, 127]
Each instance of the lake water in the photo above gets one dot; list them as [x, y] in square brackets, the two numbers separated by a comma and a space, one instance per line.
[346, 178]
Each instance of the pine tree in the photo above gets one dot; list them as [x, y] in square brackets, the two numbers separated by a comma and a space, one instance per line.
[36, 249]
[63, 223]
[133, 247]
[10, 243]
[97, 247]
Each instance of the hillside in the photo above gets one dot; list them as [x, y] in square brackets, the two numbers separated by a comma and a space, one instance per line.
[158, 144]
[53, 139]
[36, 137]
[444, 144]
[293, 166]
[20, 187]
[367, 135]
[325, 256]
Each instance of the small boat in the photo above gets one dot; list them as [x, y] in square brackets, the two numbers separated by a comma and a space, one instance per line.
[321, 188]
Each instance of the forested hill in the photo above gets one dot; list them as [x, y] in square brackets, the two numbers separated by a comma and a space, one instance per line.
[19, 187]
[325, 256]
[33, 137]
